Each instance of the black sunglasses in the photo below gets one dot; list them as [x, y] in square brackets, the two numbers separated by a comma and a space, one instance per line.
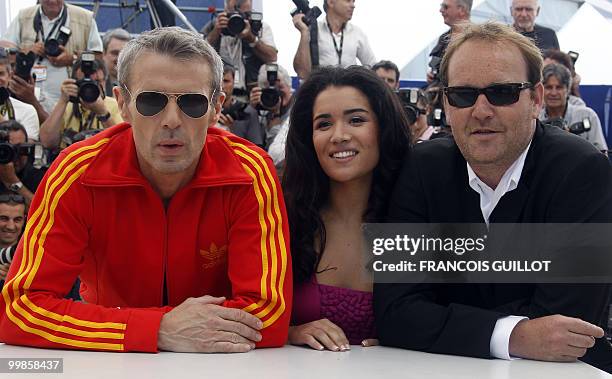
[12, 198]
[150, 103]
[497, 94]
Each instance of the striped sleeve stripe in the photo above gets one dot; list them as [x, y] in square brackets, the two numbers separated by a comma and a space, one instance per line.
[33, 247]
[262, 178]
[270, 304]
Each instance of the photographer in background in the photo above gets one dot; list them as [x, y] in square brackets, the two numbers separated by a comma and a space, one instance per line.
[579, 120]
[11, 108]
[454, 13]
[339, 42]
[272, 99]
[83, 107]
[12, 220]
[113, 42]
[22, 174]
[389, 73]
[239, 35]
[55, 32]
[558, 56]
[236, 116]
[417, 107]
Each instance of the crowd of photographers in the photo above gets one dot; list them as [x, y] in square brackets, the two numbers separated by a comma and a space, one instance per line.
[57, 76]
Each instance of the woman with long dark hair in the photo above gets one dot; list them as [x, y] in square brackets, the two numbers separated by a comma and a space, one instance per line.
[345, 145]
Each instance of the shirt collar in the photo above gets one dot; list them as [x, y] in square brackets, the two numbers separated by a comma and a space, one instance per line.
[509, 180]
[44, 16]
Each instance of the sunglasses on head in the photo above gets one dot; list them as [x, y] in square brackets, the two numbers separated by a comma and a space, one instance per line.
[11, 198]
[150, 103]
[497, 94]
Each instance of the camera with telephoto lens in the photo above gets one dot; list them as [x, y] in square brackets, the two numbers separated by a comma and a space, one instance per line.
[236, 22]
[7, 254]
[23, 65]
[236, 111]
[89, 89]
[270, 96]
[409, 98]
[52, 45]
[10, 153]
[310, 14]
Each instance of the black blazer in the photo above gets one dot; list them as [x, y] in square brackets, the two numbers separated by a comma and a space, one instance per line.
[565, 179]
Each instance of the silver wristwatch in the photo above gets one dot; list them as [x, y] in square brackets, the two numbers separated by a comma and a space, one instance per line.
[15, 187]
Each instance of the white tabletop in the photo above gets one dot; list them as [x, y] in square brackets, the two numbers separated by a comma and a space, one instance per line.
[295, 362]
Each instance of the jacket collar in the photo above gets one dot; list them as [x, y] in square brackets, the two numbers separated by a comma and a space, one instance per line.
[117, 164]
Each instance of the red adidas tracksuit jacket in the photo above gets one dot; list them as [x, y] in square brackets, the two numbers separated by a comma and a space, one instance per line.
[95, 216]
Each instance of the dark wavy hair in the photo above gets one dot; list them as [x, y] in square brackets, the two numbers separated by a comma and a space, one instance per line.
[305, 184]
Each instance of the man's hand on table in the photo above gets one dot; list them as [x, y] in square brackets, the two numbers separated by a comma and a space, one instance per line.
[553, 338]
[203, 325]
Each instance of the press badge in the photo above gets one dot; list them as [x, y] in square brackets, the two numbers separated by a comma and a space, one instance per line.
[40, 71]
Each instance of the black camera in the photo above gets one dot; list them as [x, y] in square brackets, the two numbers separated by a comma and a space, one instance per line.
[576, 128]
[580, 127]
[52, 45]
[310, 14]
[23, 65]
[573, 56]
[434, 65]
[89, 90]
[7, 254]
[236, 111]
[9, 152]
[236, 22]
[270, 96]
[256, 21]
[409, 98]
[71, 136]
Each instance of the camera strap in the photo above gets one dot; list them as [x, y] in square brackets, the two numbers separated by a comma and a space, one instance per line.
[8, 110]
[338, 50]
[38, 27]
[314, 44]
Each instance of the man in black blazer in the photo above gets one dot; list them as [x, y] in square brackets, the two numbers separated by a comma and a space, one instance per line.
[502, 167]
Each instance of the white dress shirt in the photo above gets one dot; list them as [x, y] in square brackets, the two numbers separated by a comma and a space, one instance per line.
[489, 198]
[355, 46]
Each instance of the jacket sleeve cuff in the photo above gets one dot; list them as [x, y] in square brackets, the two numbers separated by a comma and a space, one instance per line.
[142, 329]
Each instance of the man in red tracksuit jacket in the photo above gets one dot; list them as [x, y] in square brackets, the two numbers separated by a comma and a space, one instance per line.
[178, 232]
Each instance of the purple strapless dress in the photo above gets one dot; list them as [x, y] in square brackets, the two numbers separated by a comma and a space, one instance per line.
[350, 309]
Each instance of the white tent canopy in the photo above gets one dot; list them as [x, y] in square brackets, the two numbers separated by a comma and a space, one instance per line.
[590, 34]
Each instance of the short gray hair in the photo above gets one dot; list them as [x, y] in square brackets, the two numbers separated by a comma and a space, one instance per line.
[282, 74]
[174, 42]
[465, 4]
[120, 34]
[563, 75]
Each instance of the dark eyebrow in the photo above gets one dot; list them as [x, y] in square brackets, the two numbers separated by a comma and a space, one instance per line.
[354, 110]
[346, 112]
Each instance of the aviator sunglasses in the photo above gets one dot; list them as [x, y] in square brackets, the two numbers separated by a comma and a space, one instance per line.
[150, 103]
[497, 94]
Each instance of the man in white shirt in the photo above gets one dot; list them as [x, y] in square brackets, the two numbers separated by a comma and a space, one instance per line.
[503, 166]
[246, 51]
[340, 43]
[11, 108]
[36, 25]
